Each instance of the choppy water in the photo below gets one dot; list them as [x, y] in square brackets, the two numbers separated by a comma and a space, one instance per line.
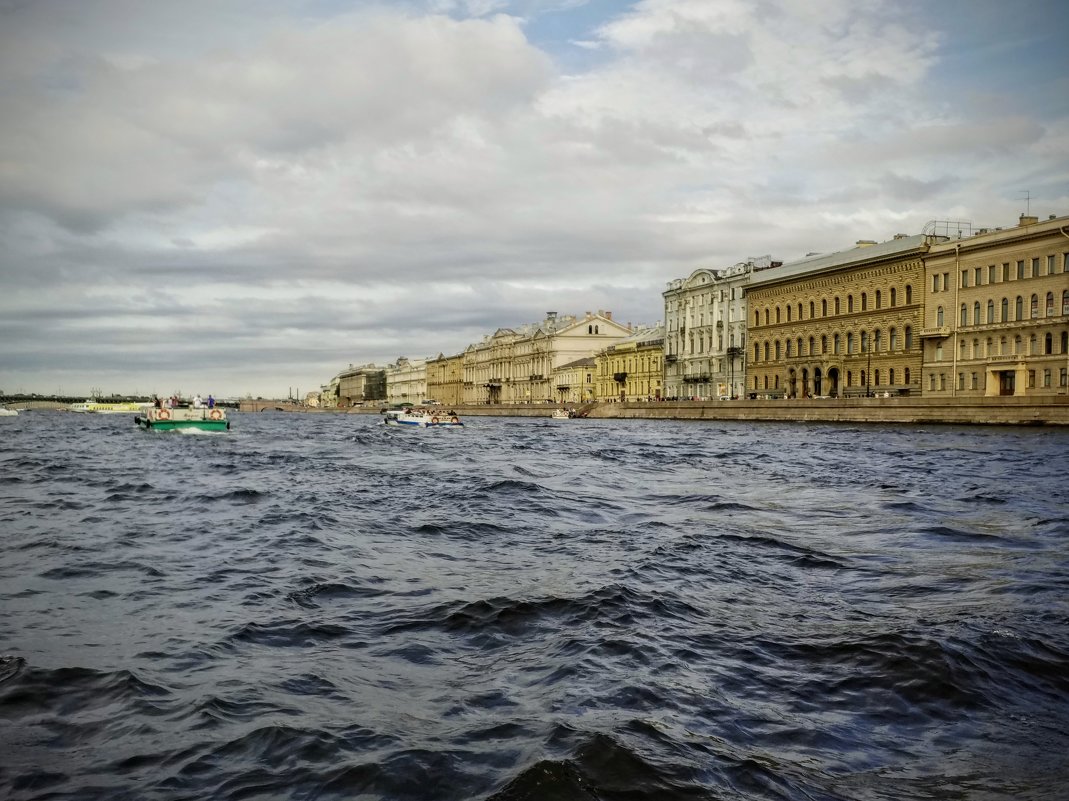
[318, 607]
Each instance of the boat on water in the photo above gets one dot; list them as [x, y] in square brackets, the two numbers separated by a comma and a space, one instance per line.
[5, 412]
[421, 418]
[183, 418]
[103, 407]
[562, 414]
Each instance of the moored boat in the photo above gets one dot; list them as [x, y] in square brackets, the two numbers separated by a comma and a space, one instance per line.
[562, 414]
[421, 418]
[103, 407]
[181, 418]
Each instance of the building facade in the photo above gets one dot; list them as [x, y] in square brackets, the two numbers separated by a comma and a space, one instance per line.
[840, 324]
[997, 317]
[632, 369]
[406, 381]
[573, 381]
[705, 331]
[445, 379]
[358, 385]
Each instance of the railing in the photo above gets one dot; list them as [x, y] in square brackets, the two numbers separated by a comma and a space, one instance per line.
[938, 331]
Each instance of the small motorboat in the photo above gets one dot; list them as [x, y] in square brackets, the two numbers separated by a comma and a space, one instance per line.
[198, 418]
[562, 414]
[421, 418]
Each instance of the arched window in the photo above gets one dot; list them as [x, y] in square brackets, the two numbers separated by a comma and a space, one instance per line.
[777, 350]
[1019, 309]
[1050, 304]
[964, 314]
[891, 376]
[1065, 302]
[799, 311]
[961, 349]
[756, 352]
[836, 305]
[850, 343]
[823, 307]
[789, 345]
[939, 316]
[909, 294]
[990, 344]
[849, 304]
[835, 344]
[876, 377]
[976, 313]
[1048, 344]
[766, 351]
[1005, 311]
[879, 299]
[812, 349]
[595, 329]
[812, 312]
[823, 344]
[990, 311]
[788, 312]
[1032, 345]
[909, 341]
[800, 347]
[849, 378]
[893, 341]
[864, 341]
[976, 349]
[864, 301]
[906, 376]
[1017, 345]
[590, 329]
[1034, 307]
[777, 314]
[757, 318]
[876, 337]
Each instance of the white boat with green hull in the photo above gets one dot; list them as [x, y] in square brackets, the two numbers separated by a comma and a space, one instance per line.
[183, 418]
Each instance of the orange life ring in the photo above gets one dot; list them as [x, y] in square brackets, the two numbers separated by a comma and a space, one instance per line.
[434, 421]
[215, 414]
[454, 419]
[163, 414]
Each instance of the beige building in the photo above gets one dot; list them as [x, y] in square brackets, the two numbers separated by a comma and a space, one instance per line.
[632, 369]
[445, 379]
[516, 365]
[997, 317]
[705, 331]
[574, 382]
[840, 324]
[356, 385]
[406, 381]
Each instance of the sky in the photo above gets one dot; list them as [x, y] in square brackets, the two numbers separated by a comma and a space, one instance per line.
[244, 197]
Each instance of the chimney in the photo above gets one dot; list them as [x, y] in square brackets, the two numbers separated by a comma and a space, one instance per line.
[1027, 220]
[865, 243]
[608, 314]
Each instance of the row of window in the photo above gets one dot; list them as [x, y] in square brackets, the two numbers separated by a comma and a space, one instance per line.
[1004, 309]
[994, 274]
[991, 347]
[974, 379]
[837, 341]
[836, 305]
[862, 376]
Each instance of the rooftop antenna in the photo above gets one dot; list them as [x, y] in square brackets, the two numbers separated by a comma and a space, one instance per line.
[1027, 202]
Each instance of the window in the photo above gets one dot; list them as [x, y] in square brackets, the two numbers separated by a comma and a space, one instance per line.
[1032, 345]
[990, 311]
[823, 344]
[1051, 266]
[812, 349]
[850, 343]
[836, 305]
[991, 272]
[909, 294]
[1048, 344]
[864, 301]
[1005, 271]
[976, 313]
[964, 279]
[1005, 310]
[823, 307]
[964, 314]
[799, 311]
[1050, 304]
[1033, 307]
[777, 349]
[906, 376]
[946, 281]
[777, 314]
[789, 343]
[1035, 268]
[931, 382]
[864, 341]
[893, 341]
[1031, 379]
[1020, 269]
[812, 312]
[974, 383]
[756, 352]
[1065, 302]
[849, 304]
[942, 382]
[939, 316]
[800, 347]
[876, 336]
[961, 381]
[835, 344]
[935, 282]
[961, 348]
[876, 377]
[893, 293]
[1046, 379]
[977, 273]
[909, 338]
[879, 299]
[939, 351]
[788, 313]
[766, 351]
[757, 318]
[1019, 308]
[891, 376]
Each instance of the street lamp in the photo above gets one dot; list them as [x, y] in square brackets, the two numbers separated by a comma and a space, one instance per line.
[733, 352]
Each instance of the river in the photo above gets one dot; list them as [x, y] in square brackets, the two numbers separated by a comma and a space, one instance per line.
[321, 607]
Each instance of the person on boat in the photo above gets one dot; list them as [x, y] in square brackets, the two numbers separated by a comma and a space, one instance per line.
[198, 403]
[157, 402]
[211, 401]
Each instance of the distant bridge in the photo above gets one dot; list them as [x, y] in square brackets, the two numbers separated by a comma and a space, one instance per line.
[261, 405]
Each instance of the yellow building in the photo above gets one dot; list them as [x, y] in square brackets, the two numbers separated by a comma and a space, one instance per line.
[574, 381]
[839, 324]
[997, 317]
[445, 379]
[632, 370]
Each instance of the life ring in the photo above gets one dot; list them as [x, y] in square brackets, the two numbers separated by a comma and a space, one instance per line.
[434, 421]
[163, 414]
[215, 414]
[454, 419]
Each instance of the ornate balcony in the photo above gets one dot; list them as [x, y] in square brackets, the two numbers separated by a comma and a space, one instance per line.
[939, 332]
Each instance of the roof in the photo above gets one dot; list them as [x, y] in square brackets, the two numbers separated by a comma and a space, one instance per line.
[826, 262]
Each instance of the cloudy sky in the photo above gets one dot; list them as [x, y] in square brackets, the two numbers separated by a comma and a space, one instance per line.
[246, 196]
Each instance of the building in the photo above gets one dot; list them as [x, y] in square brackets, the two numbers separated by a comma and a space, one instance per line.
[632, 369]
[445, 379]
[705, 331]
[997, 317]
[357, 385]
[516, 365]
[573, 382]
[840, 324]
[406, 381]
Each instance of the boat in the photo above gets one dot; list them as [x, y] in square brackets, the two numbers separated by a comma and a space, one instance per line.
[103, 407]
[562, 414]
[183, 418]
[421, 418]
